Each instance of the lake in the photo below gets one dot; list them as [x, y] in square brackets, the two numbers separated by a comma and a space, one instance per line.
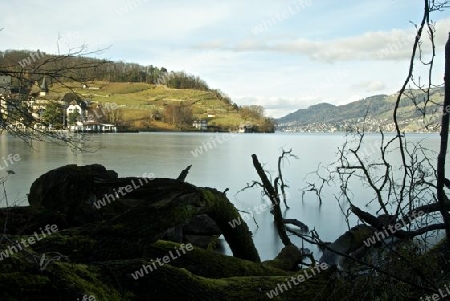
[222, 163]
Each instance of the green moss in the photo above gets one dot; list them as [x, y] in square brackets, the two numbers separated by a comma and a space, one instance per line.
[86, 280]
[193, 287]
[211, 264]
[214, 243]
[360, 234]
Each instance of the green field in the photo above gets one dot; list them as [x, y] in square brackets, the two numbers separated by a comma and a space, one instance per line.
[138, 101]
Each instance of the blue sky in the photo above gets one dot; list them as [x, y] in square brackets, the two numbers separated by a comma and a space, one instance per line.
[284, 55]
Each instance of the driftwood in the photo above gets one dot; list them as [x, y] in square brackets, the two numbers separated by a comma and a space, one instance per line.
[297, 223]
[274, 198]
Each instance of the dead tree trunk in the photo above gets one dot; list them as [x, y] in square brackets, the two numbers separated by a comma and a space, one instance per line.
[443, 149]
[274, 198]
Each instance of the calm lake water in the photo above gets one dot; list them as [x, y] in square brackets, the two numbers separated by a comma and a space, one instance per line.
[226, 165]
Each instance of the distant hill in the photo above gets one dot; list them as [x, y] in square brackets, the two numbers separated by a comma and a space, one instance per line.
[140, 104]
[373, 112]
[143, 97]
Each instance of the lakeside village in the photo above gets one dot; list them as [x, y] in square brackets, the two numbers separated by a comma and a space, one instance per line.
[69, 112]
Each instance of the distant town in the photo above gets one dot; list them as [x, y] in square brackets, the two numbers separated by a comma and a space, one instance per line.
[36, 107]
[411, 125]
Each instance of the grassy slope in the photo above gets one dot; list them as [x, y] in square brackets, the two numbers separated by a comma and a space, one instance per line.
[138, 100]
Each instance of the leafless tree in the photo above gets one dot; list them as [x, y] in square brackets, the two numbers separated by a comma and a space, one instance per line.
[15, 114]
[400, 189]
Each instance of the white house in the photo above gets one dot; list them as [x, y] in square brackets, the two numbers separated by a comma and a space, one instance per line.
[74, 107]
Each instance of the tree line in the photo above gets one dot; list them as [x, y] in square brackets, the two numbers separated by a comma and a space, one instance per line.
[20, 61]
[85, 69]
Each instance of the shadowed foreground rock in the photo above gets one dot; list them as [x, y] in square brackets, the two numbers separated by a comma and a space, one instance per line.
[97, 249]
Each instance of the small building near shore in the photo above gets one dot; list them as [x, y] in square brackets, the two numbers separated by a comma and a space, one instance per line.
[93, 127]
[201, 125]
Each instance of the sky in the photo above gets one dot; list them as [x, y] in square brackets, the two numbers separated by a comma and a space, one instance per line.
[284, 55]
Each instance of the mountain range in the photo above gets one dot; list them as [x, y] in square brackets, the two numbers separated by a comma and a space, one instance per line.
[372, 113]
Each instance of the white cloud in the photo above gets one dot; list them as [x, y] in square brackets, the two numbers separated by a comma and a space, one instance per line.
[375, 45]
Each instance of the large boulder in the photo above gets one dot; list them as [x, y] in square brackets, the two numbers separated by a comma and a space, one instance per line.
[69, 190]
